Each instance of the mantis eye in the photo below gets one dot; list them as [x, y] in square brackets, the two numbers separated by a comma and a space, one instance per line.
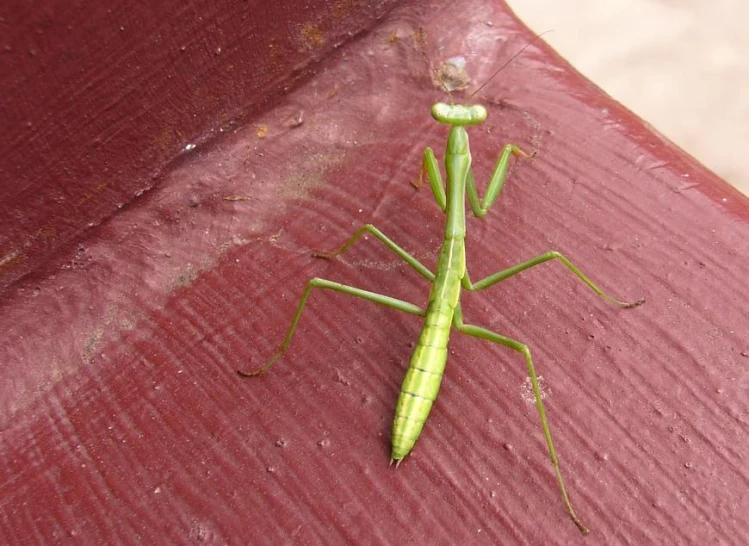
[457, 114]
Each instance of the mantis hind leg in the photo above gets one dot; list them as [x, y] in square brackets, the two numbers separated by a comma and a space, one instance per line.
[420, 268]
[381, 299]
[522, 348]
[545, 257]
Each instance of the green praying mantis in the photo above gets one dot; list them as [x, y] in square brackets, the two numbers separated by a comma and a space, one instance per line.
[443, 312]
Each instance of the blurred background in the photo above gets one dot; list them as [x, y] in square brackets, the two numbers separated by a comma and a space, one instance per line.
[681, 66]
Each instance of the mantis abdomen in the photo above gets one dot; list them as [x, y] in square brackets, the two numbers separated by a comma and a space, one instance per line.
[422, 382]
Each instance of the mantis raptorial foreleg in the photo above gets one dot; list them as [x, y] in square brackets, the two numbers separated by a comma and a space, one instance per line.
[538, 260]
[381, 299]
[496, 183]
[431, 167]
[522, 348]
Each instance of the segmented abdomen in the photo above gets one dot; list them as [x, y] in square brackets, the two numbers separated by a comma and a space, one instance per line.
[424, 375]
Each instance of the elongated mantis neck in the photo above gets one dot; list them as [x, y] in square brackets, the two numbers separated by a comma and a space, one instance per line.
[457, 160]
[457, 164]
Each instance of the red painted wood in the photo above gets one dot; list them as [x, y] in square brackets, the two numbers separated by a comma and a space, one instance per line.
[122, 417]
[100, 102]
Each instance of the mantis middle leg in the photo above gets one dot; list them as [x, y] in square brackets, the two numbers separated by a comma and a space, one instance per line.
[420, 268]
[545, 257]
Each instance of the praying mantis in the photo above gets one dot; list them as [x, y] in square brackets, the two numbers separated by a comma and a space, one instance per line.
[443, 311]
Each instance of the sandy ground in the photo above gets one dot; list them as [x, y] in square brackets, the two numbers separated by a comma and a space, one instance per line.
[681, 66]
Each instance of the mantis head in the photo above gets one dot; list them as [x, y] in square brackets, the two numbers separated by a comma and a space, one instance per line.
[457, 114]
